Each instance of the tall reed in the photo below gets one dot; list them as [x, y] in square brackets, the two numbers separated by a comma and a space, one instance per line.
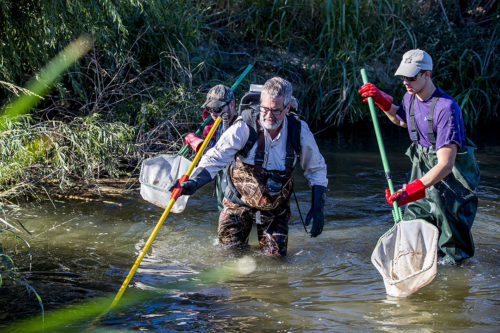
[321, 45]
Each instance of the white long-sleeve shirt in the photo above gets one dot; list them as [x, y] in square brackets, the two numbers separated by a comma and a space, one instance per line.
[236, 136]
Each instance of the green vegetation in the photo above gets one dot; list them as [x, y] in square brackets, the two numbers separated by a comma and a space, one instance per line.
[59, 153]
[151, 62]
[321, 45]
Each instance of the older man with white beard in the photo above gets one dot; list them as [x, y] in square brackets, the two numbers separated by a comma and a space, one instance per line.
[261, 149]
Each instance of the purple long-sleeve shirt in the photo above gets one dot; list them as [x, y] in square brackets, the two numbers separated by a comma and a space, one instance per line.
[448, 124]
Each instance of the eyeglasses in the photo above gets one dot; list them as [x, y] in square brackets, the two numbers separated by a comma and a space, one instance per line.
[216, 110]
[412, 78]
[275, 112]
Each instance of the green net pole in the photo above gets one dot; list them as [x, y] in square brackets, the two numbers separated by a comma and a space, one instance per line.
[242, 76]
[184, 148]
[396, 211]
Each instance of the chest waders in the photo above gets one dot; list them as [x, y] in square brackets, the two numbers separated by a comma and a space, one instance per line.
[219, 193]
[254, 195]
[451, 204]
[248, 185]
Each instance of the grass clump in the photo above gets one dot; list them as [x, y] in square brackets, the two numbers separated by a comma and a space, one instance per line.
[321, 45]
[55, 152]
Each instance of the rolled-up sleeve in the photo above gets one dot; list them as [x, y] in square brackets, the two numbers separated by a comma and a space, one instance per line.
[311, 160]
[230, 142]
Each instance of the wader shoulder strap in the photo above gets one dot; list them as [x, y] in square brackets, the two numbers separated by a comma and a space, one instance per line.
[259, 152]
[430, 118]
[292, 142]
[430, 121]
[249, 116]
[430, 129]
[413, 124]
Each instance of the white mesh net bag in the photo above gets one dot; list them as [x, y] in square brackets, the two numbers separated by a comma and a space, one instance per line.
[406, 257]
[158, 174]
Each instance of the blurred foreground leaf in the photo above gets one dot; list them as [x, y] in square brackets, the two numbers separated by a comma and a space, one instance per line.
[43, 81]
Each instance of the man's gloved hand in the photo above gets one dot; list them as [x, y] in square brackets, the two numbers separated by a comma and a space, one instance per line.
[199, 178]
[193, 141]
[383, 100]
[411, 192]
[208, 127]
[316, 212]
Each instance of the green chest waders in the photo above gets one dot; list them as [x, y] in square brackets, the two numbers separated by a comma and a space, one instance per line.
[451, 204]
[218, 190]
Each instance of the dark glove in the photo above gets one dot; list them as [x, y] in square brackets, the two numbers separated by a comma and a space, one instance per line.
[383, 100]
[316, 212]
[411, 192]
[199, 178]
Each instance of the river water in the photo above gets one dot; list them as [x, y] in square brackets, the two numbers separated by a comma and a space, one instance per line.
[326, 284]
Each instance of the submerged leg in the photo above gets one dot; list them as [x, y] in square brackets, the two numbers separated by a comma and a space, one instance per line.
[235, 224]
[273, 231]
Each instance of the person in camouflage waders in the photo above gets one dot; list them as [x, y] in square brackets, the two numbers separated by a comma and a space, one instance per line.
[444, 176]
[262, 148]
[219, 102]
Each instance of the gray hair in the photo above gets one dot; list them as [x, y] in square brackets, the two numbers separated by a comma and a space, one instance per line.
[277, 87]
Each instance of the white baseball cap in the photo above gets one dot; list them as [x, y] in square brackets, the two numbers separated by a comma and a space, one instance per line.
[413, 62]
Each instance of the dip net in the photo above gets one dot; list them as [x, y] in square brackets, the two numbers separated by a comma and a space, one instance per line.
[406, 257]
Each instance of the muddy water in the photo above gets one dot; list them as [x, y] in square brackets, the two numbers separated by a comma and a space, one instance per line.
[82, 250]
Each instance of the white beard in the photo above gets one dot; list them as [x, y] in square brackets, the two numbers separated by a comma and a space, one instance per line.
[267, 126]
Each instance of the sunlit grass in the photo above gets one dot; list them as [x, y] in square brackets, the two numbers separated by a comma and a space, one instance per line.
[321, 45]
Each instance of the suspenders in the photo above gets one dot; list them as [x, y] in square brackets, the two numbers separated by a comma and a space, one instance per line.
[413, 125]
[260, 151]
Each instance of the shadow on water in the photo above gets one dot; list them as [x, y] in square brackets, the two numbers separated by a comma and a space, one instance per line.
[328, 283]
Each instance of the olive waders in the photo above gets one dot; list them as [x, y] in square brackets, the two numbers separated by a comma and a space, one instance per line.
[451, 204]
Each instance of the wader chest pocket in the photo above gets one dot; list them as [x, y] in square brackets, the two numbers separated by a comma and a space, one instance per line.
[274, 184]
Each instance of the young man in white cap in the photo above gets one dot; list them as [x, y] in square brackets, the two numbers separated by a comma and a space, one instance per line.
[444, 176]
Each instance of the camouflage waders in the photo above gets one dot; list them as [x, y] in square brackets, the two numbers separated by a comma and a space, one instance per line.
[270, 212]
[235, 224]
[253, 190]
[450, 204]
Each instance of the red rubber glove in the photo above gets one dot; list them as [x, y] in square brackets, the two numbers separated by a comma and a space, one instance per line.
[411, 192]
[380, 98]
[208, 127]
[193, 141]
